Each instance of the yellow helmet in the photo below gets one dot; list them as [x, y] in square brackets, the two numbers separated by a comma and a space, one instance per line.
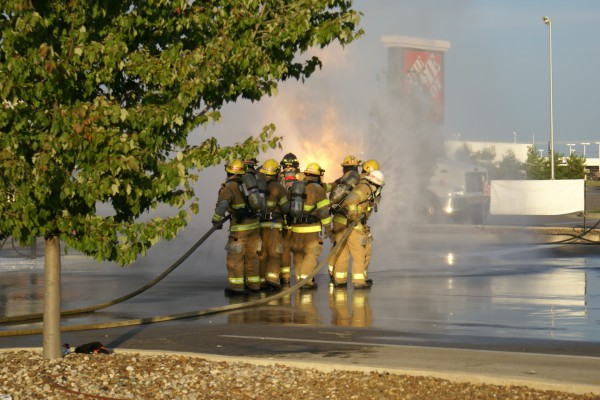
[314, 169]
[235, 167]
[270, 167]
[370, 165]
[350, 161]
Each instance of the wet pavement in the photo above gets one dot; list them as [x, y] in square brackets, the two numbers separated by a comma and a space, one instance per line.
[462, 288]
[476, 304]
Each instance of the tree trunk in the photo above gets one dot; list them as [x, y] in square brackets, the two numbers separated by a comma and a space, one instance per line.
[51, 329]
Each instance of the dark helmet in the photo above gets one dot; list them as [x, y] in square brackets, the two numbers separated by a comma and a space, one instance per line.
[250, 163]
[289, 160]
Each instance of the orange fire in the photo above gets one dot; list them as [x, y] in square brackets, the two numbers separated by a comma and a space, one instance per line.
[314, 129]
[329, 149]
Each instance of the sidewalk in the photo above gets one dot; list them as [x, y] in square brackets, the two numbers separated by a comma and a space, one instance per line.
[579, 375]
[569, 374]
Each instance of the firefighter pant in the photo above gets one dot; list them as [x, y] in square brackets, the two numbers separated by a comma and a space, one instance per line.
[369, 250]
[336, 235]
[337, 232]
[306, 248]
[242, 259]
[286, 258]
[358, 247]
[270, 254]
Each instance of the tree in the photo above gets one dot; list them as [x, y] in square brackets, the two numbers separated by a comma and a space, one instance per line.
[466, 154]
[98, 99]
[484, 157]
[536, 167]
[572, 167]
[509, 167]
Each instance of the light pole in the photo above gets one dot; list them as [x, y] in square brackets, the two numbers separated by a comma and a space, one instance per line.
[584, 144]
[570, 148]
[598, 143]
[515, 137]
[548, 22]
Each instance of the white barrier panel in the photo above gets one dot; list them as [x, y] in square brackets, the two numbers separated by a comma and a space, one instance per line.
[548, 197]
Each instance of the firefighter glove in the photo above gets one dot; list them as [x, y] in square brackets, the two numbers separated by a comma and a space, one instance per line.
[217, 224]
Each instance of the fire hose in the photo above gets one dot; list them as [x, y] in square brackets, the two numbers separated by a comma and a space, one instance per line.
[580, 236]
[84, 310]
[12, 243]
[199, 313]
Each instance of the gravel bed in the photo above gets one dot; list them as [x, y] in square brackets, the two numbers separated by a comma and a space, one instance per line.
[25, 374]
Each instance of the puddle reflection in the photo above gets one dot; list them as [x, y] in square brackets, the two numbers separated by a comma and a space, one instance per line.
[298, 308]
[356, 312]
[347, 307]
[520, 292]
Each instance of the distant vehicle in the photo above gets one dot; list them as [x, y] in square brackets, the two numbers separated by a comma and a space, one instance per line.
[457, 191]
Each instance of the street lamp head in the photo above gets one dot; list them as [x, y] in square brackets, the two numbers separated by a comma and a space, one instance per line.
[547, 20]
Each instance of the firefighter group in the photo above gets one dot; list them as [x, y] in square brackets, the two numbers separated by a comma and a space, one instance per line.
[281, 215]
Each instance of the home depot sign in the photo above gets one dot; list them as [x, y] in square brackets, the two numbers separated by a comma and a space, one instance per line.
[418, 66]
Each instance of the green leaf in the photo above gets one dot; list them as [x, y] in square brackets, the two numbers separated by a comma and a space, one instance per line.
[98, 102]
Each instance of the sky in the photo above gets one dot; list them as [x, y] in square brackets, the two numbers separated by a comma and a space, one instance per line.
[497, 68]
[496, 83]
[497, 75]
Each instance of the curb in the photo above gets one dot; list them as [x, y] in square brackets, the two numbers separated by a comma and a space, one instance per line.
[455, 377]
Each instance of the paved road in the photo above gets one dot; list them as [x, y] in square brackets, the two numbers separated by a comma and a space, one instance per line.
[480, 290]
[453, 283]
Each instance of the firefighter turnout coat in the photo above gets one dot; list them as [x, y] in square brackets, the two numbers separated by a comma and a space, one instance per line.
[244, 236]
[356, 207]
[271, 226]
[307, 243]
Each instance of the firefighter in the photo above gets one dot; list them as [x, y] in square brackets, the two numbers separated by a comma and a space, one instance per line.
[338, 190]
[356, 208]
[309, 214]
[257, 185]
[349, 163]
[244, 234]
[368, 166]
[271, 226]
[250, 164]
[289, 161]
[289, 173]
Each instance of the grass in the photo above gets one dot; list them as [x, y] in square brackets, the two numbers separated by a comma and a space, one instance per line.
[589, 184]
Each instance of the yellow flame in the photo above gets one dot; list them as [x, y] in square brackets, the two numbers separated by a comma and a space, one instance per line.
[329, 147]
